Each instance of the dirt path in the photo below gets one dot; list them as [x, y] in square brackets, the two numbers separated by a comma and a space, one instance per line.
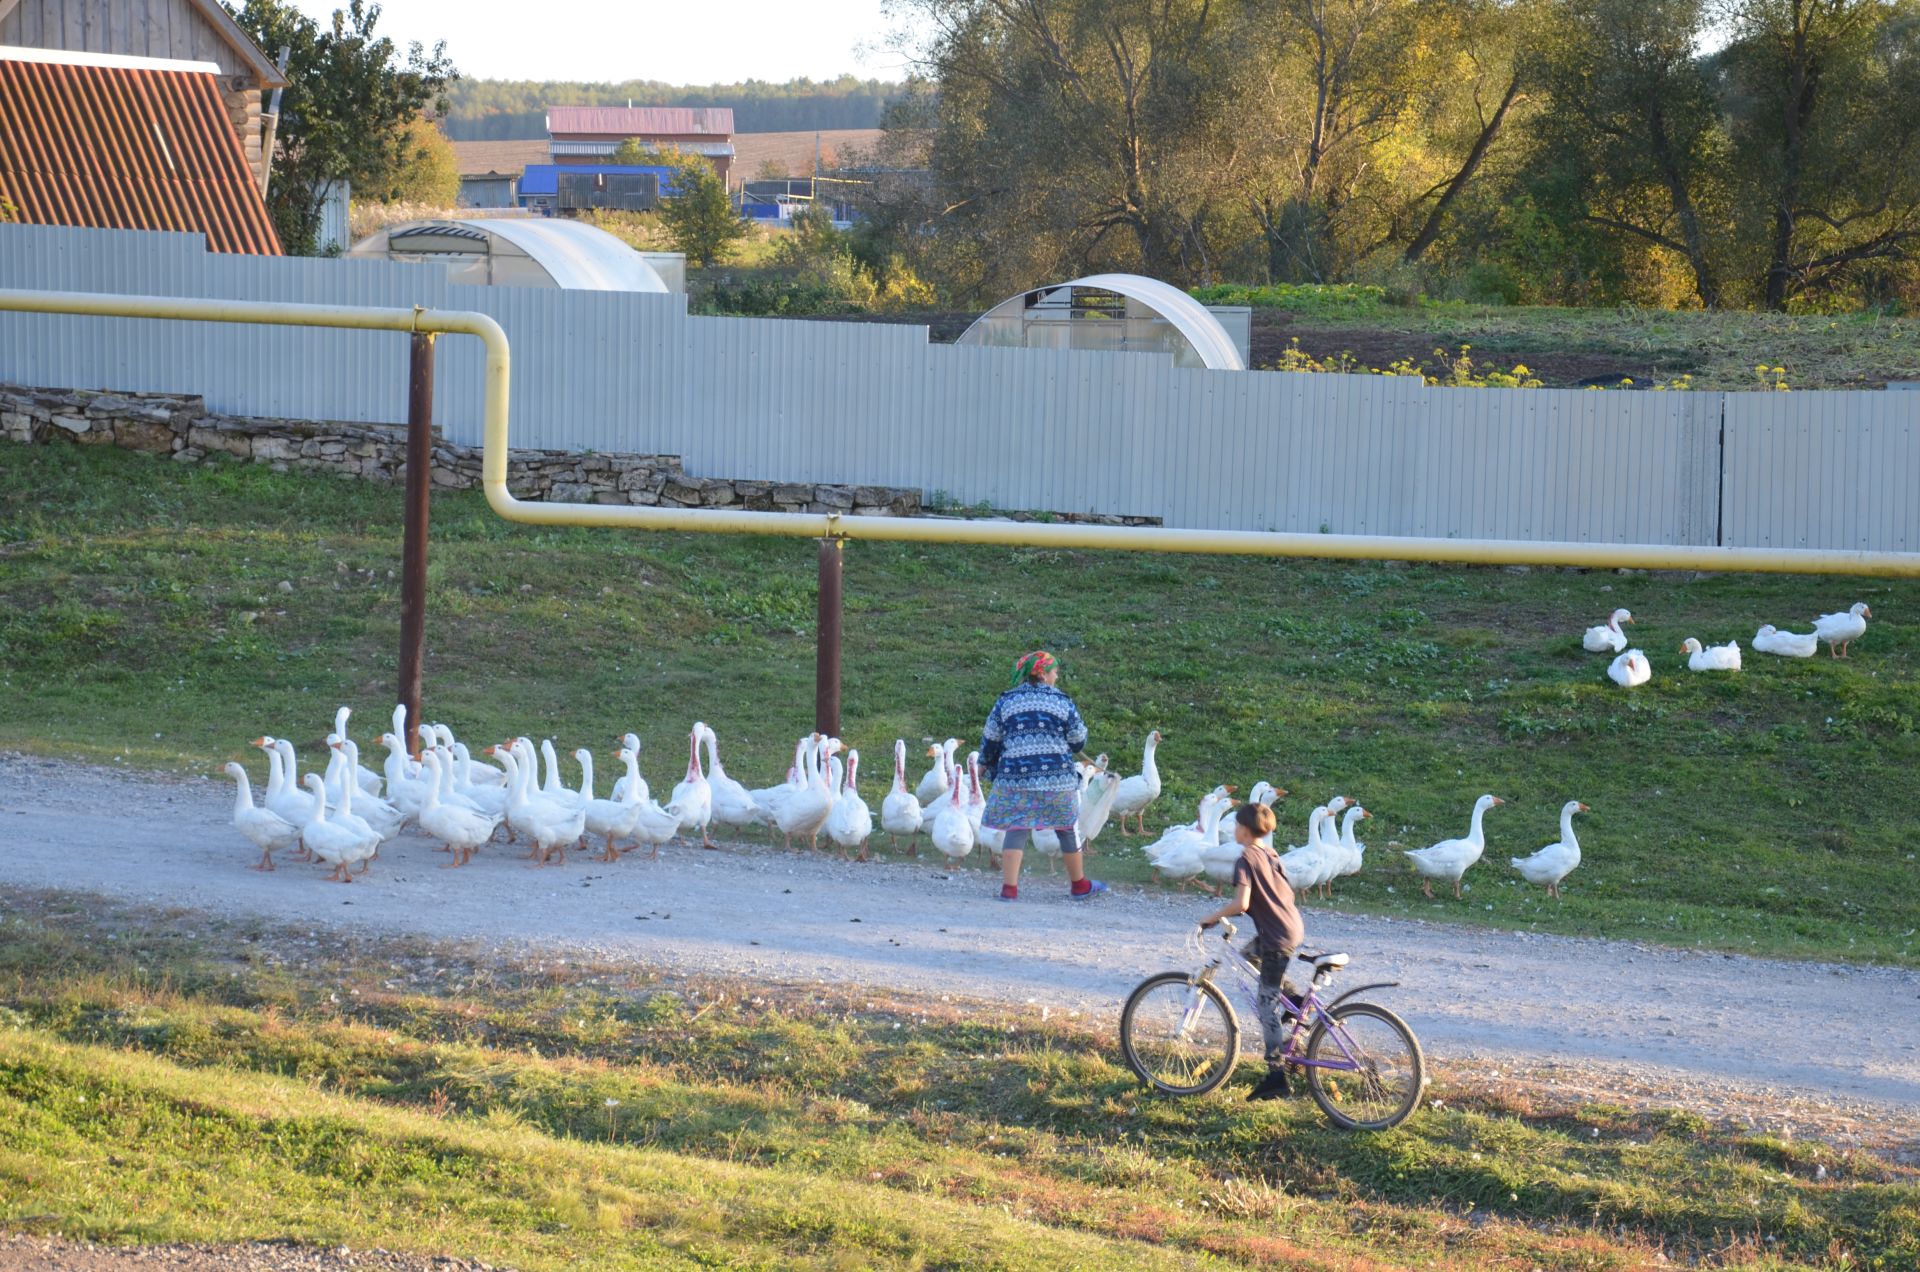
[1693, 1022]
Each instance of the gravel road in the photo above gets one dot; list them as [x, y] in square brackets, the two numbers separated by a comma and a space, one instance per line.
[1696, 1020]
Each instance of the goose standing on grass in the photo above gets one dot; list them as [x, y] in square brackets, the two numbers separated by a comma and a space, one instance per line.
[610, 818]
[462, 830]
[1556, 861]
[1771, 640]
[1718, 658]
[1630, 669]
[1842, 629]
[1450, 859]
[732, 803]
[1181, 851]
[900, 812]
[850, 821]
[1137, 793]
[631, 742]
[266, 829]
[935, 782]
[1607, 638]
[1353, 853]
[694, 795]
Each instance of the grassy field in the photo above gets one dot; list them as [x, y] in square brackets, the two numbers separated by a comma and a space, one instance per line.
[160, 616]
[163, 1078]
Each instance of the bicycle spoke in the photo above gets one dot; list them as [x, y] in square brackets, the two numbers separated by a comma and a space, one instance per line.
[1179, 1036]
[1378, 1083]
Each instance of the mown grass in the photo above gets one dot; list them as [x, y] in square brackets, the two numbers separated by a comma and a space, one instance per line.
[170, 1078]
[142, 622]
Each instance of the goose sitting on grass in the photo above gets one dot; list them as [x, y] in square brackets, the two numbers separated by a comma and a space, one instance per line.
[1715, 658]
[1771, 640]
[1607, 638]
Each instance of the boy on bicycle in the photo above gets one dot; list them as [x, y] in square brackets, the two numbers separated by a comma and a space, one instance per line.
[1260, 889]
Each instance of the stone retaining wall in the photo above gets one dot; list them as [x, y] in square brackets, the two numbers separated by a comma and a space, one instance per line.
[182, 429]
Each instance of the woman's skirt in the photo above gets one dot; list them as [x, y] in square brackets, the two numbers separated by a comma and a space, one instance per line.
[1009, 808]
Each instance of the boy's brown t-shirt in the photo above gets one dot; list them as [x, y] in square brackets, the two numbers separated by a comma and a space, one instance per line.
[1270, 905]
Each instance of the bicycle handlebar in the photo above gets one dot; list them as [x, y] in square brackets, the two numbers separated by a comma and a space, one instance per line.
[1231, 931]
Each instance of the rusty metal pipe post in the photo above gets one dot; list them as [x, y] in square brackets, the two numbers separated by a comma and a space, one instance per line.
[826, 672]
[413, 548]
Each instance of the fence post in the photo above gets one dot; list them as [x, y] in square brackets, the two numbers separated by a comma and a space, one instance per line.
[413, 544]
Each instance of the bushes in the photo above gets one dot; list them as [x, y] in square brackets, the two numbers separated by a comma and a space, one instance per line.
[1326, 300]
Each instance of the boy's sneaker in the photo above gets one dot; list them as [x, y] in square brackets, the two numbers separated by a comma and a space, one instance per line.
[1272, 1087]
[1086, 888]
[1009, 892]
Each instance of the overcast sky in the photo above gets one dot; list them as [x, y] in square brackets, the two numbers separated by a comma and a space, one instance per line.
[678, 41]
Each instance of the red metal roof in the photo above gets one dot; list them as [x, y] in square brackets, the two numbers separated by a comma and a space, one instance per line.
[127, 149]
[641, 121]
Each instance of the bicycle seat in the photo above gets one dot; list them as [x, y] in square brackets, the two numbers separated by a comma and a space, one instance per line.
[1324, 961]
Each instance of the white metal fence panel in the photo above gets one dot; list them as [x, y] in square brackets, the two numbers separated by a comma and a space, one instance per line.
[1822, 470]
[1129, 434]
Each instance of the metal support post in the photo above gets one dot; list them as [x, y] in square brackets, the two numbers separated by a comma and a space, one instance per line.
[413, 549]
[826, 675]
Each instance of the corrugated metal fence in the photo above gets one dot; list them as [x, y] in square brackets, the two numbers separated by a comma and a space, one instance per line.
[783, 400]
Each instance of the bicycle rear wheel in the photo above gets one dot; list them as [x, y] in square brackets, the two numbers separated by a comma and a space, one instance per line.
[1178, 1035]
[1385, 1088]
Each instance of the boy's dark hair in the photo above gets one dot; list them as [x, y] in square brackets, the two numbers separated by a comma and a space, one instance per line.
[1257, 818]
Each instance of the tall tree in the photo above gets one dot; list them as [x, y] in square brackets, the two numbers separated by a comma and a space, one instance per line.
[1825, 102]
[699, 217]
[1634, 115]
[346, 111]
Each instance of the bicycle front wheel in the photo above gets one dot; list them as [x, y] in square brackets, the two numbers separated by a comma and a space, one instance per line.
[1381, 1074]
[1179, 1035]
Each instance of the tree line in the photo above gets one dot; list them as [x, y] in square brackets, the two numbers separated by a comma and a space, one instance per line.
[1721, 153]
[507, 110]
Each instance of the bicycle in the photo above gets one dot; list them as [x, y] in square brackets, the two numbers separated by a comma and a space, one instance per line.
[1362, 1064]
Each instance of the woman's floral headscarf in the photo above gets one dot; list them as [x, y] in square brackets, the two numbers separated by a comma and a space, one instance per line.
[1037, 663]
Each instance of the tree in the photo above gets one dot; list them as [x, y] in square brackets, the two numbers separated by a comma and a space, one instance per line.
[427, 170]
[1635, 124]
[632, 152]
[346, 111]
[699, 217]
[1822, 98]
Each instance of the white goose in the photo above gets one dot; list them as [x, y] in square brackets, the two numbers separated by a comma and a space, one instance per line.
[1352, 852]
[552, 787]
[937, 781]
[610, 818]
[952, 831]
[1556, 861]
[850, 822]
[694, 795]
[368, 780]
[488, 798]
[805, 811]
[1718, 658]
[284, 795]
[1180, 852]
[1771, 640]
[1138, 792]
[1451, 858]
[768, 799]
[732, 803]
[631, 742]
[988, 837]
[377, 813]
[267, 830]
[462, 830]
[1842, 629]
[1265, 794]
[406, 789]
[1630, 670]
[1097, 790]
[1308, 865]
[548, 826]
[338, 841]
[900, 812]
[1607, 638]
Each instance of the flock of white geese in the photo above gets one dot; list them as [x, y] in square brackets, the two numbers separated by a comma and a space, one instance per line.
[341, 816]
[1630, 668]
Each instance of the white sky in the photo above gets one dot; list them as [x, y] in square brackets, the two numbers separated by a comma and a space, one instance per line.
[677, 41]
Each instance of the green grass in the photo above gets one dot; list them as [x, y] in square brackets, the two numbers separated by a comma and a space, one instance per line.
[170, 1078]
[141, 622]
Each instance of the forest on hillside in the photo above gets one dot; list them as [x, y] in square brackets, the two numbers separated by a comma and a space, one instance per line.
[506, 110]
[1760, 154]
